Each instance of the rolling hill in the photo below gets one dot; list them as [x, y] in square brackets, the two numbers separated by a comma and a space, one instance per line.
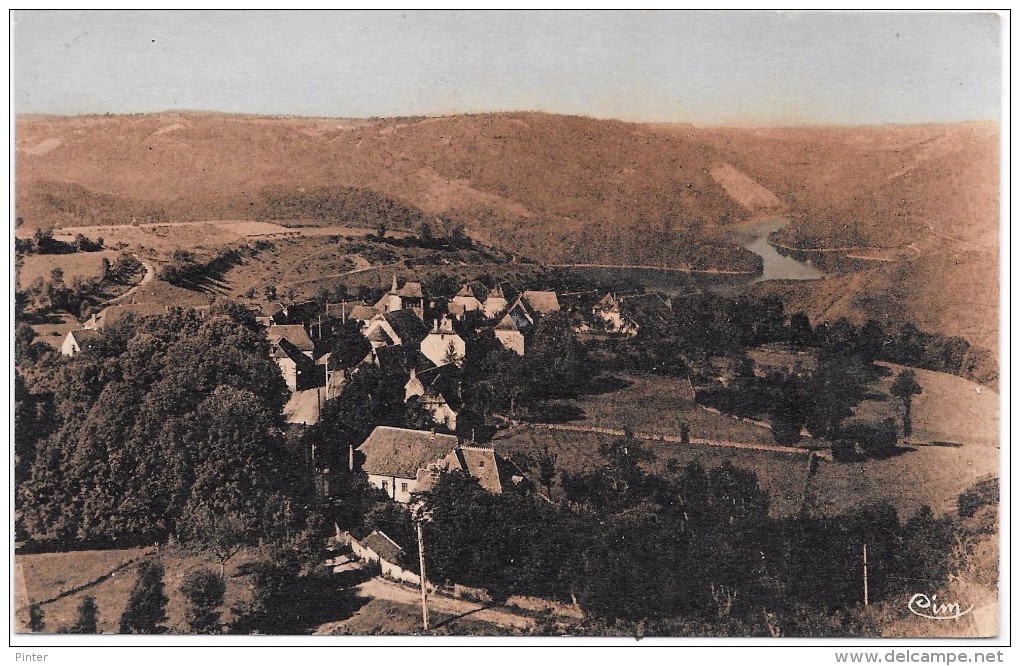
[564, 189]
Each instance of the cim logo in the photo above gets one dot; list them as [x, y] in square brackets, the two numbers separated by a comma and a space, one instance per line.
[929, 607]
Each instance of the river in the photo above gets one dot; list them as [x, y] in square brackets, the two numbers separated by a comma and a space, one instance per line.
[755, 237]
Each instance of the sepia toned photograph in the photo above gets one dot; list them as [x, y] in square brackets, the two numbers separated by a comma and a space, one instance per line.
[620, 325]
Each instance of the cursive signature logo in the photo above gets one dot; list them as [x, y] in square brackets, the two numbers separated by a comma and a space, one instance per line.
[930, 607]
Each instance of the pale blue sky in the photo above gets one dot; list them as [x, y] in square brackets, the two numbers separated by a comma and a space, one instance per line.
[706, 68]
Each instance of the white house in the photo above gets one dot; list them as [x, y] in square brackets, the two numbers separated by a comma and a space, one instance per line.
[495, 303]
[443, 342]
[508, 332]
[401, 462]
[408, 297]
[75, 340]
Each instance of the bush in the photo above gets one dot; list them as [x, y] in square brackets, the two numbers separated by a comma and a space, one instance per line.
[876, 440]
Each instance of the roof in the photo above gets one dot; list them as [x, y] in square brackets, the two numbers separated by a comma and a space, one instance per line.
[542, 302]
[481, 464]
[401, 453]
[410, 290]
[362, 312]
[403, 358]
[345, 308]
[293, 333]
[383, 546]
[608, 302]
[84, 334]
[284, 348]
[408, 326]
[507, 323]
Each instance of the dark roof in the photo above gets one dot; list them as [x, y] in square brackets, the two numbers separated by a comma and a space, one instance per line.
[399, 357]
[443, 381]
[283, 348]
[408, 326]
[646, 309]
[383, 546]
[401, 453]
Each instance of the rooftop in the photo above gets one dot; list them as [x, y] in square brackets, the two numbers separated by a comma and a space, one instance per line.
[401, 453]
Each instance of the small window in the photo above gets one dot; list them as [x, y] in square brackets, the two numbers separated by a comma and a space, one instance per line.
[403, 487]
[386, 486]
[481, 463]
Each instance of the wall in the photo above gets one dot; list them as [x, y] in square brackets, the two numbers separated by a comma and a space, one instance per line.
[393, 486]
[436, 345]
[389, 569]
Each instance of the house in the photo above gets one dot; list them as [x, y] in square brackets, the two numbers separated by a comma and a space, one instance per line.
[380, 548]
[408, 297]
[443, 345]
[438, 391]
[400, 327]
[76, 340]
[495, 303]
[393, 457]
[294, 352]
[463, 302]
[607, 312]
[359, 311]
[401, 462]
[510, 333]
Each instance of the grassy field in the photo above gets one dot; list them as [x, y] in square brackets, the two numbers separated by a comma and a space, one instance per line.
[384, 617]
[949, 409]
[84, 265]
[657, 405]
[781, 475]
[41, 576]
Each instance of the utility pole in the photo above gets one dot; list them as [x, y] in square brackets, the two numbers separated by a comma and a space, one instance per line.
[421, 566]
[865, 574]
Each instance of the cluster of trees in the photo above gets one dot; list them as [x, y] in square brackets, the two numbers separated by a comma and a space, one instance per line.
[55, 295]
[349, 205]
[687, 547]
[43, 242]
[185, 269]
[169, 425]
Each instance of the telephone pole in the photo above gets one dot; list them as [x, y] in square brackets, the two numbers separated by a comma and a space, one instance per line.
[865, 574]
[421, 567]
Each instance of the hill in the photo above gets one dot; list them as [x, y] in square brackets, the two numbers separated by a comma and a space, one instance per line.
[564, 189]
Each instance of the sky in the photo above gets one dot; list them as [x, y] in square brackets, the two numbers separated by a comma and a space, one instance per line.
[714, 68]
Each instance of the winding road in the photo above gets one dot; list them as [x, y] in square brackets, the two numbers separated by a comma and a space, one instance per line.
[150, 273]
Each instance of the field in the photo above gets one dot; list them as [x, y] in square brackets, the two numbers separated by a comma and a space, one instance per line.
[390, 618]
[82, 265]
[658, 405]
[42, 576]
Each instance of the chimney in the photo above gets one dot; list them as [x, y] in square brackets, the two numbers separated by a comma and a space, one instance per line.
[393, 289]
[350, 457]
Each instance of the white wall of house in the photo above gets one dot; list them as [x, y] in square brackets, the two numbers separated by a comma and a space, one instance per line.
[70, 346]
[397, 488]
[436, 346]
[289, 370]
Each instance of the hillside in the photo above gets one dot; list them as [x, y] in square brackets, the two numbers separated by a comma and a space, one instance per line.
[563, 189]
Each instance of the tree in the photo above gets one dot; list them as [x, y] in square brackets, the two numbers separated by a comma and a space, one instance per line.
[547, 469]
[146, 608]
[905, 387]
[204, 590]
[36, 618]
[88, 617]
[348, 347]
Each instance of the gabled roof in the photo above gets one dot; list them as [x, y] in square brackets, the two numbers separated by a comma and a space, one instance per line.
[608, 303]
[362, 312]
[383, 546]
[481, 464]
[507, 323]
[401, 453]
[542, 302]
[410, 290]
[293, 333]
[443, 382]
[403, 358]
[342, 309]
[407, 325]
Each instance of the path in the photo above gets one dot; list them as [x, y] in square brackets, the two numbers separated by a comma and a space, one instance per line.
[652, 437]
[150, 273]
[383, 589]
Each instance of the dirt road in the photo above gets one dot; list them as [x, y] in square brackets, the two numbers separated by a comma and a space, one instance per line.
[383, 589]
[150, 273]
